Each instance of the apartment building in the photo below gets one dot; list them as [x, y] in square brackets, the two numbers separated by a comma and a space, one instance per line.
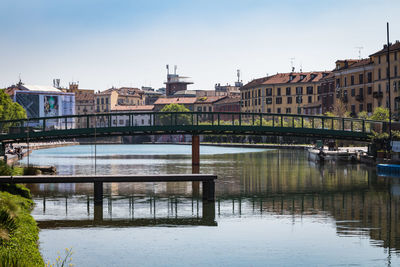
[84, 103]
[286, 93]
[354, 84]
[380, 78]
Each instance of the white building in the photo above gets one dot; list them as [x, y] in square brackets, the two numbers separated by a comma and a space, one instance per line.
[46, 101]
[141, 116]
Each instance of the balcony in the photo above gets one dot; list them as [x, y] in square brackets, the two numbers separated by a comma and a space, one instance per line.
[378, 94]
[359, 98]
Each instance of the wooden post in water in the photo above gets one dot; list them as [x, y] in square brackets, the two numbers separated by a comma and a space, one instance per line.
[209, 190]
[98, 193]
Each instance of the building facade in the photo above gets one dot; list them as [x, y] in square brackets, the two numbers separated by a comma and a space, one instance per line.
[354, 85]
[287, 93]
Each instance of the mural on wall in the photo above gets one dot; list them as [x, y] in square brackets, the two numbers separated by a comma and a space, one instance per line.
[50, 105]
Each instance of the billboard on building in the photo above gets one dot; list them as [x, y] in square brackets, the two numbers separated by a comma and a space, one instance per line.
[30, 102]
[50, 105]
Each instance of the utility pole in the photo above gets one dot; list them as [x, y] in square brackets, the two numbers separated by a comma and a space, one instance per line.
[390, 95]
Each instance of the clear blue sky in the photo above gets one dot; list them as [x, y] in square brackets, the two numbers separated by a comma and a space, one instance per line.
[128, 43]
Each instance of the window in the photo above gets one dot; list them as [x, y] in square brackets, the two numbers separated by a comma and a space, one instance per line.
[361, 108]
[369, 90]
[278, 91]
[98, 101]
[259, 101]
[345, 81]
[299, 90]
[369, 77]
[379, 60]
[142, 121]
[259, 92]
[199, 109]
[309, 99]
[288, 110]
[289, 100]
[269, 110]
[288, 91]
[395, 86]
[369, 107]
[379, 74]
[352, 80]
[387, 87]
[278, 110]
[121, 122]
[360, 78]
[395, 55]
[353, 91]
[209, 109]
[309, 90]
[102, 101]
[395, 71]
[268, 91]
[319, 89]
[337, 82]
[361, 91]
[298, 110]
[299, 99]
[278, 100]
[353, 109]
[268, 100]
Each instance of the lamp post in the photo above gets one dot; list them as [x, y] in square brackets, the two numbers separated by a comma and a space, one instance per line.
[390, 96]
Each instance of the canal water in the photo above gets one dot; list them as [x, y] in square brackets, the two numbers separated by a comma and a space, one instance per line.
[273, 207]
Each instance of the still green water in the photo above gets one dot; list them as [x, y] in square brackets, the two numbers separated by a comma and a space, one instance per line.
[273, 207]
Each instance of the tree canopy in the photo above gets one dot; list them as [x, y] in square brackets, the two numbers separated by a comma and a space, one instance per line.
[181, 119]
[10, 110]
[175, 108]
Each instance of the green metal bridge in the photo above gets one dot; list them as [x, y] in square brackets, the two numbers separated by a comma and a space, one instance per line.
[193, 123]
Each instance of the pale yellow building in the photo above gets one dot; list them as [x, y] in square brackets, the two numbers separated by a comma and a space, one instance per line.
[381, 83]
[288, 93]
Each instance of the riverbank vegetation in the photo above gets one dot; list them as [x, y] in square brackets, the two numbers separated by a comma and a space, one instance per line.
[19, 233]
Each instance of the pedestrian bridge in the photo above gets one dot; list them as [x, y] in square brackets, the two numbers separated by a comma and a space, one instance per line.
[193, 123]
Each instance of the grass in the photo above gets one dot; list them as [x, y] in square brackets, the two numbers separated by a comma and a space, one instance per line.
[19, 234]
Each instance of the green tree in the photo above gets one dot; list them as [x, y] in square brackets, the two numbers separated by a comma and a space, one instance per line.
[10, 110]
[181, 119]
[380, 114]
[363, 115]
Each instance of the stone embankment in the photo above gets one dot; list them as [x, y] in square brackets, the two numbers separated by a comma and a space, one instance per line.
[13, 157]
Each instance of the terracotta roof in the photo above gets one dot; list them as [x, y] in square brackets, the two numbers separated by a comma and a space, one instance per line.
[393, 47]
[298, 77]
[175, 100]
[255, 82]
[133, 108]
[208, 99]
[228, 100]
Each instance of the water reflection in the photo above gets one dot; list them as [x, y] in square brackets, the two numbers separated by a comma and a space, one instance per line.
[269, 183]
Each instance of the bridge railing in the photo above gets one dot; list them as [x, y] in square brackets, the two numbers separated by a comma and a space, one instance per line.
[176, 119]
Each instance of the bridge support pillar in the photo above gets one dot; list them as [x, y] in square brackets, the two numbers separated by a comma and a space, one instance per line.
[195, 163]
[98, 193]
[195, 150]
[209, 190]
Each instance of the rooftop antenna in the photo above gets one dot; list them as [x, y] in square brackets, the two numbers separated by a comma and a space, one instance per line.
[238, 75]
[292, 63]
[359, 51]
[167, 69]
[301, 67]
